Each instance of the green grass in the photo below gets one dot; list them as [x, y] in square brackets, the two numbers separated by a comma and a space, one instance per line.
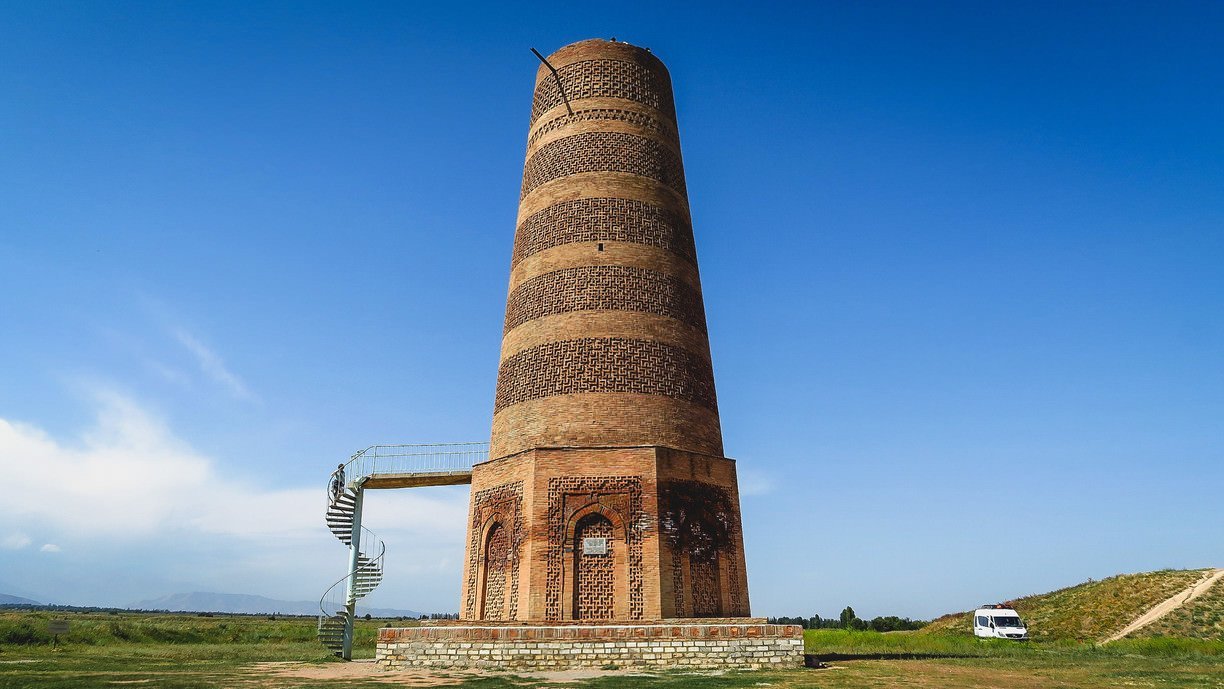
[913, 659]
[1086, 612]
[207, 665]
[187, 652]
[846, 643]
[107, 629]
[172, 666]
[174, 650]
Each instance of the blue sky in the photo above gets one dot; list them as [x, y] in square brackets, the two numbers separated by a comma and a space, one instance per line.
[961, 265]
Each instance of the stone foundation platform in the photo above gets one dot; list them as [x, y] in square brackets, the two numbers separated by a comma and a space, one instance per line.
[552, 647]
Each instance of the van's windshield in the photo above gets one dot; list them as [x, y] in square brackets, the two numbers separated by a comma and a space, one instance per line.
[1006, 621]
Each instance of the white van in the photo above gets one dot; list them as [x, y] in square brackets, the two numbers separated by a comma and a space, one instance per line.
[998, 622]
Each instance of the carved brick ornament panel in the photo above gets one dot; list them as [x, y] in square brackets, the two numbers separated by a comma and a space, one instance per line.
[595, 588]
[497, 551]
[505, 504]
[701, 523]
[566, 496]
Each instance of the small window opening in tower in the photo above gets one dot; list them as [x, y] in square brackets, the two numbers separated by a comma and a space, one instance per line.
[601, 246]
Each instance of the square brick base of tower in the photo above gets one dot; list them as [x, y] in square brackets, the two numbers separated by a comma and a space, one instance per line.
[587, 557]
[666, 522]
[684, 644]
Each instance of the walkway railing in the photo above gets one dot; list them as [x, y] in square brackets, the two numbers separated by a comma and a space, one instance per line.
[382, 460]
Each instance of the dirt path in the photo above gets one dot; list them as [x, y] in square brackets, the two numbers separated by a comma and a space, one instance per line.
[1172, 603]
[367, 670]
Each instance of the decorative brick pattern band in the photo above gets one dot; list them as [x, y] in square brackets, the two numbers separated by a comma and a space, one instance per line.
[638, 119]
[604, 288]
[605, 79]
[603, 220]
[613, 364]
[709, 646]
[604, 152]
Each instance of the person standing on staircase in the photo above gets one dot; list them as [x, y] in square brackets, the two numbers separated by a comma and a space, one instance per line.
[337, 482]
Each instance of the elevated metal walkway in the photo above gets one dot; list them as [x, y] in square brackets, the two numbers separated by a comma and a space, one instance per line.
[378, 466]
[412, 466]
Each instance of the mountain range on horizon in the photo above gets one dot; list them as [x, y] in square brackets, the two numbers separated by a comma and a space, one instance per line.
[247, 604]
[8, 599]
[237, 603]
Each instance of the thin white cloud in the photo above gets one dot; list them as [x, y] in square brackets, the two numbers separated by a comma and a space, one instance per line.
[49, 548]
[755, 482]
[128, 483]
[15, 541]
[212, 365]
[167, 373]
[130, 477]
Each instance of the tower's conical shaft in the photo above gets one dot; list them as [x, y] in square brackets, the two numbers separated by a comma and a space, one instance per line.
[606, 496]
[605, 336]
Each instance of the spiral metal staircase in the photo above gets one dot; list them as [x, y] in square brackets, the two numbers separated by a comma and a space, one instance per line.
[338, 604]
[378, 466]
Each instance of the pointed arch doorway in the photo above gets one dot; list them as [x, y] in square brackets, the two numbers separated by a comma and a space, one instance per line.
[496, 573]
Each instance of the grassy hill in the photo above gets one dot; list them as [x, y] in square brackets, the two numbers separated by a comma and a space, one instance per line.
[1095, 609]
[1201, 618]
[7, 599]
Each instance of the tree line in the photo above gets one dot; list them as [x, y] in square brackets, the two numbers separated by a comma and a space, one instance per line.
[849, 620]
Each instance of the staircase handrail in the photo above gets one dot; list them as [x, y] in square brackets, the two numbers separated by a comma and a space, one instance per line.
[370, 564]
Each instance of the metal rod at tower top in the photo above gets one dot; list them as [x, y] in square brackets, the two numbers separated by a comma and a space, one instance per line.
[556, 76]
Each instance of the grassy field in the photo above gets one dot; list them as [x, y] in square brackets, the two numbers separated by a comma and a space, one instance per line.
[1087, 612]
[28, 629]
[182, 651]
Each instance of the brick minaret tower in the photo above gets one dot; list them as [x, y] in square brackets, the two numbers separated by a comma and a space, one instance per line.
[606, 496]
